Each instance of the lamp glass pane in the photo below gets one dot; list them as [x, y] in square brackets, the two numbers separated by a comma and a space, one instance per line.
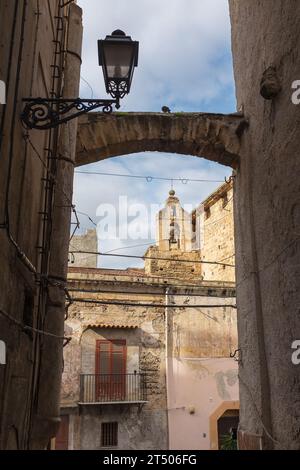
[118, 60]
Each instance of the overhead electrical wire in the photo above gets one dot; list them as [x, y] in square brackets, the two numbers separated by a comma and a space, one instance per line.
[149, 178]
[88, 84]
[125, 247]
[228, 257]
[151, 258]
[35, 330]
[110, 251]
[68, 199]
[88, 216]
[152, 278]
[129, 247]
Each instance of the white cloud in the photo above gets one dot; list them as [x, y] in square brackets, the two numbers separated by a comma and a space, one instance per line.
[184, 58]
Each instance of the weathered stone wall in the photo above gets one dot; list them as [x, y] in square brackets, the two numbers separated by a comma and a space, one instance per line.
[138, 429]
[143, 330]
[28, 417]
[205, 333]
[85, 242]
[175, 263]
[266, 33]
[217, 233]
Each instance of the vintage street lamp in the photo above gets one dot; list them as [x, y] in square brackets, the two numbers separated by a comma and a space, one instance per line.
[118, 56]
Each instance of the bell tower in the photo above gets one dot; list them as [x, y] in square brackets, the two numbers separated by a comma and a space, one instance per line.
[173, 256]
[173, 226]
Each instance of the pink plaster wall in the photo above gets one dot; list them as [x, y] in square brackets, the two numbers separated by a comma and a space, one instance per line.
[200, 385]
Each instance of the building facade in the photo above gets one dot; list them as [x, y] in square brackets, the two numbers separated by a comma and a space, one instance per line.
[265, 45]
[85, 242]
[36, 172]
[149, 365]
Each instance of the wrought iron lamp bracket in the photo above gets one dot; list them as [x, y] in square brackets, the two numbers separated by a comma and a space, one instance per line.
[44, 113]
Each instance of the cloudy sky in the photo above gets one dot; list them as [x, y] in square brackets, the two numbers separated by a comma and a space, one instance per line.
[184, 63]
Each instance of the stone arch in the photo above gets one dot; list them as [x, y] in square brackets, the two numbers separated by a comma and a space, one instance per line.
[215, 137]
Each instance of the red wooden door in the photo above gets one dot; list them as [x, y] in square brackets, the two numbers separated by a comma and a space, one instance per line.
[110, 370]
[62, 438]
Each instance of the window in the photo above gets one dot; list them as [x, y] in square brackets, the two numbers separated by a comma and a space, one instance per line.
[207, 213]
[111, 356]
[110, 370]
[109, 434]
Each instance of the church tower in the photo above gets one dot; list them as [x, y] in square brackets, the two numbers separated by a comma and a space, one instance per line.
[172, 256]
[174, 226]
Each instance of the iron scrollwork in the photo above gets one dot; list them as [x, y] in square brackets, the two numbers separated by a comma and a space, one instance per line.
[118, 88]
[45, 114]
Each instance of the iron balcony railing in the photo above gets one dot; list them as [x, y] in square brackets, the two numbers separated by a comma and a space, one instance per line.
[112, 388]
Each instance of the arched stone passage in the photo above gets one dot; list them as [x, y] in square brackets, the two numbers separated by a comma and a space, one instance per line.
[215, 137]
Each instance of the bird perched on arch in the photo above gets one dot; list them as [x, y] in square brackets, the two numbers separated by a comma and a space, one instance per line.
[165, 109]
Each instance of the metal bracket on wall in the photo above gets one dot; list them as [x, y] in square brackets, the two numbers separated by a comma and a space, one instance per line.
[44, 113]
[237, 355]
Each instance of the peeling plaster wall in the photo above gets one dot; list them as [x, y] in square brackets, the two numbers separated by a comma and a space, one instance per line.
[201, 374]
[88, 347]
[199, 387]
[204, 332]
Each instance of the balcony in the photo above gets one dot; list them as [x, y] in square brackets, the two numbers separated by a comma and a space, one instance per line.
[112, 389]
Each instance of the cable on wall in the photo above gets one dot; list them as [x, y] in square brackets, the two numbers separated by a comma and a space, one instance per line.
[35, 330]
[173, 294]
[148, 305]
